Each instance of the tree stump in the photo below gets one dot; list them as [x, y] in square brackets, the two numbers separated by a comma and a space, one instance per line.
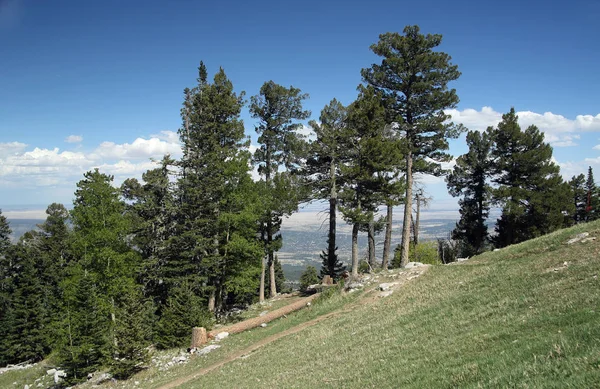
[199, 337]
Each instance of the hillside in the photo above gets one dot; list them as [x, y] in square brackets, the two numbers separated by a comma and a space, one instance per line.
[523, 316]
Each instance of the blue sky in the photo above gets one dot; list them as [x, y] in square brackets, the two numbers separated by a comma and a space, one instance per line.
[99, 84]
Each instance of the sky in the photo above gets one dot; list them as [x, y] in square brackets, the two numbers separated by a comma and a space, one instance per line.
[99, 84]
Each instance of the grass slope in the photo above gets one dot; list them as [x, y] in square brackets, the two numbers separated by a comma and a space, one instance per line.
[513, 318]
[503, 319]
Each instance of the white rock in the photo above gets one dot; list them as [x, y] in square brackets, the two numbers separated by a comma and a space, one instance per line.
[461, 259]
[386, 293]
[308, 304]
[263, 313]
[207, 349]
[180, 359]
[263, 325]
[26, 386]
[51, 371]
[410, 265]
[58, 375]
[221, 335]
[387, 286]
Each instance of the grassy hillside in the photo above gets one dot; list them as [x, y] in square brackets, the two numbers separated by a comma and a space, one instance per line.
[517, 317]
[503, 319]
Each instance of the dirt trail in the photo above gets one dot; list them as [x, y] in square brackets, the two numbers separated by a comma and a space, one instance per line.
[368, 297]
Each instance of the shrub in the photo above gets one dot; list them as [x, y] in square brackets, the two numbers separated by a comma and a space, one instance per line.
[309, 277]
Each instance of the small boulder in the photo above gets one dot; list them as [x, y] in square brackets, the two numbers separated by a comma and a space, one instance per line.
[221, 335]
[51, 371]
[410, 265]
[386, 293]
[461, 259]
[207, 349]
[59, 375]
[386, 286]
[263, 325]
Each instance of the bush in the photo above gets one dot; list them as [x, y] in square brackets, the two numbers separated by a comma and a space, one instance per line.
[309, 277]
[424, 252]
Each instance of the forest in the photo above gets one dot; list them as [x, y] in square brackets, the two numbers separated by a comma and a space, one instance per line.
[141, 264]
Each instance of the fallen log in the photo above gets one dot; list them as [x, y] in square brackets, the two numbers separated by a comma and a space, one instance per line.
[252, 323]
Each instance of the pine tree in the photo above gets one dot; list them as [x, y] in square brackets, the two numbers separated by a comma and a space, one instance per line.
[84, 342]
[7, 271]
[414, 80]
[279, 275]
[529, 187]
[278, 110]
[469, 179]
[362, 189]
[327, 152]
[215, 172]
[132, 332]
[183, 311]
[580, 198]
[592, 206]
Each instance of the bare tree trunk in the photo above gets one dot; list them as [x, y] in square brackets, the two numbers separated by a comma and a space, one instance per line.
[261, 291]
[331, 259]
[211, 301]
[272, 275]
[407, 212]
[388, 238]
[418, 199]
[355, 250]
[371, 239]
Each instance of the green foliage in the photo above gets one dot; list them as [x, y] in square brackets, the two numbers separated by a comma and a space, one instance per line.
[85, 328]
[183, 311]
[278, 110]
[309, 277]
[132, 334]
[593, 197]
[579, 197]
[533, 196]
[413, 79]
[469, 179]
[424, 252]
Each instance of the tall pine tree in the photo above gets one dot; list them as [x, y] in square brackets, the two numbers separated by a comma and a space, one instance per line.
[279, 111]
[414, 79]
[470, 179]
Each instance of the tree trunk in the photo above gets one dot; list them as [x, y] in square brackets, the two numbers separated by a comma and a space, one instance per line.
[355, 250]
[418, 198]
[272, 275]
[211, 300]
[371, 239]
[407, 212]
[388, 238]
[261, 291]
[331, 259]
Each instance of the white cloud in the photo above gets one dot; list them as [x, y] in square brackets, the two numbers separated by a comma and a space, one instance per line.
[74, 139]
[139, 149]
[12, 148]
[559, 130]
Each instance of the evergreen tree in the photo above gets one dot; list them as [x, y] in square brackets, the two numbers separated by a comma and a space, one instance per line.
[469, 179]
[7, 271]
[362, 189]
[132, 332]
[529, 187]
[85, 341]
[279, 275]
[184, 310]
[414, 80]
[580, 198]
[308, 277]
[153, 213]
[278, 110]
[592, 206]
[28, 337]
[327, 152]
[215, 175]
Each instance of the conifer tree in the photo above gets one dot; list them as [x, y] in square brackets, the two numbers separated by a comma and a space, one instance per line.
[361, 193]
[215, 174]
[278, 110]
[414, 80]
[470, 180]
[592, 205]
[6, 289]
[580, 198]
[327, 152]
[533, 195]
